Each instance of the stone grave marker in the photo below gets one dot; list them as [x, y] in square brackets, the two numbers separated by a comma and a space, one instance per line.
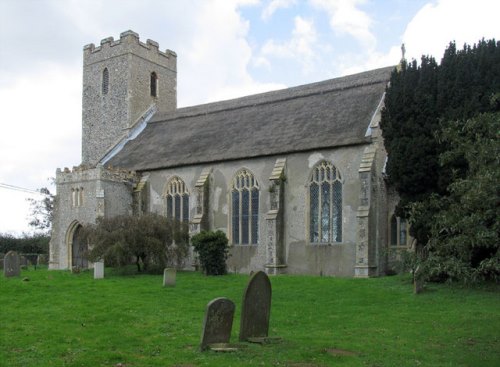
[99, 270]
[41, 259]
[12, 264]
[169, 275]
[218, 323]
[256, 307]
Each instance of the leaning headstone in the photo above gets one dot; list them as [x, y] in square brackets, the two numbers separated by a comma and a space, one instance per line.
[256, 307]
[169, 275]
[11, 264]
[99, 270]
[217, 323]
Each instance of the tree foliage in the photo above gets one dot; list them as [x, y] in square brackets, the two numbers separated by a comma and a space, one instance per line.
[464, 240]
[440, 128]
[420, 97]
[212, 248]
[154, 241]
[42, 210]
[25, 244]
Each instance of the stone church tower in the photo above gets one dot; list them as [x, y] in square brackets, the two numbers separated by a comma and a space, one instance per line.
[123, 80]
[124, 83]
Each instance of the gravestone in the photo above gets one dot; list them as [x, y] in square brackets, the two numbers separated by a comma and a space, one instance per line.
[99, 270]
[418, 281]
[217, 323]
[256, 307]
[11, 264]
[169, 275]
[41, 259]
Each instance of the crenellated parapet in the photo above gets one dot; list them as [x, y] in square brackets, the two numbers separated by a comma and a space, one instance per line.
[84, 173]
[129, 42]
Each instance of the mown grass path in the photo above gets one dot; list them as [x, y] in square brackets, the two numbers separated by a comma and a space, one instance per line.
[62, 319]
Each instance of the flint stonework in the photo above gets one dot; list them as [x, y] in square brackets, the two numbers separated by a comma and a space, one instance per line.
[217, 323]
[169, 277]
[12, 264]
[256, 307]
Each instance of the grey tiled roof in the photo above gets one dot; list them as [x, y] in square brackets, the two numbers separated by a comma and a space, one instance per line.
[331, 113]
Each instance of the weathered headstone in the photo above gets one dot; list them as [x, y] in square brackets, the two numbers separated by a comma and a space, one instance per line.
[11, 264]
[256, 307]
[99, 270]
[217, 323]
[41, 259]
[169, 275]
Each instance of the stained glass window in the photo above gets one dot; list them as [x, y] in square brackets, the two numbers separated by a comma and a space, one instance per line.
[244, 209]
[325, 204]
[177, 199]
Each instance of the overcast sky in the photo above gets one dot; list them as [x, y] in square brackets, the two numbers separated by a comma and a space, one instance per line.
[225, 49]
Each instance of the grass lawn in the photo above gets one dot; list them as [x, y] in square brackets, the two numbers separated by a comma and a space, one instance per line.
[58, 318]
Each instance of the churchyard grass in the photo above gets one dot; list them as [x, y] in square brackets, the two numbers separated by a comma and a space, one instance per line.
[57, 318]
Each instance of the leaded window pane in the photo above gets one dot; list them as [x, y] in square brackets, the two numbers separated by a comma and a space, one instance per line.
[245, 216]
[185, 208]
[177, 207]
[255, 215]
[169, 206]
[337, 211]
[394, 231]
[325, 212]
[236, 216]
[402, 232]
[314, 209]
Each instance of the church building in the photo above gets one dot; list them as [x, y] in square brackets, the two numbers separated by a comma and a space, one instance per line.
[294, 177]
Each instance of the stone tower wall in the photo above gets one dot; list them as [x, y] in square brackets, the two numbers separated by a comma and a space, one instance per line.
[106, 117]
[83, 195]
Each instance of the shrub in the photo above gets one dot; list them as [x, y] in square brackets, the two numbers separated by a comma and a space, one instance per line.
[212, 248]
[153, 240]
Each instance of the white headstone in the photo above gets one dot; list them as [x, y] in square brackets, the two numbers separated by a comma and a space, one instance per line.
[99, 270]
[169, 275]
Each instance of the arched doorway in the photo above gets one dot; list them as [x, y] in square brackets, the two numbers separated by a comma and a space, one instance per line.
[78, 247]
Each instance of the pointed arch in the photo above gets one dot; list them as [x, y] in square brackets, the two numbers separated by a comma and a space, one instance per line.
[77, 249]
[176, 197]
[325, 204]
[244, 208]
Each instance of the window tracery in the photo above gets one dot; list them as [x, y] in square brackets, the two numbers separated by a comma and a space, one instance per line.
[325, 204]
[177, 199]
[244, 209]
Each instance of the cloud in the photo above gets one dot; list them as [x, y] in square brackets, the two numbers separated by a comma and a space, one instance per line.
[435, 25]
[274, 5]
[302, 46]
[347, 18]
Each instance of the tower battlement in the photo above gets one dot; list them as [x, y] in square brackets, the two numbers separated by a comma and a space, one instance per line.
[129, 42]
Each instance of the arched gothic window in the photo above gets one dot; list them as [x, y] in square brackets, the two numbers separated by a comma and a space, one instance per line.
[105, 81]
[153, 84]
[399, 231]
[177, 198]
[325, 204]
[244, 209]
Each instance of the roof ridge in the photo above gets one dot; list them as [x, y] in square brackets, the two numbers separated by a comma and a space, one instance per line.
[286, 94]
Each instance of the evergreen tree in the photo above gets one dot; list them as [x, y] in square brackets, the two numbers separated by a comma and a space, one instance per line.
[419, 99]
